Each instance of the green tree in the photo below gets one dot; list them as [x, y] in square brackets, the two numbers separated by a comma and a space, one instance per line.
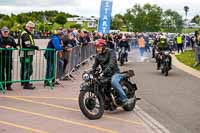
[22, 18]
[172, 21]
[117, 22]
[7, 23]
[146, 18]
[2, 15]
[61, 19]
[77, 26]
[196, 19]
[53, 20]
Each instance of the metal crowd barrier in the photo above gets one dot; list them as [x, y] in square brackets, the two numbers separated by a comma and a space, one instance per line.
[25, 66]
[77, 56]
[45, 64]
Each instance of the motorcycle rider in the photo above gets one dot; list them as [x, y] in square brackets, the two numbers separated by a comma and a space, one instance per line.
[155, 43]
[124, 43]
[106, 59]
[162, 46]
[110, 42]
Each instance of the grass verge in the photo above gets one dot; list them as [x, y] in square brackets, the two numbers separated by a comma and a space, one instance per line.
[188, 58]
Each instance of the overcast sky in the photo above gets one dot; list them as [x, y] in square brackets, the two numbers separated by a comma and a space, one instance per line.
[91, 7]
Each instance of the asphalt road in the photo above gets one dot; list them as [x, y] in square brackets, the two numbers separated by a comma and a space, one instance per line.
[174, 101]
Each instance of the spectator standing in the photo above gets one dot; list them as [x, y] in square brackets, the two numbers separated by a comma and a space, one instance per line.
[55, 44]
[7, 42]
[26, 56]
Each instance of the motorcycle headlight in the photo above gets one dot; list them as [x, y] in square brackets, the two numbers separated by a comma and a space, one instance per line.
[86, 77]
[91, 76]
[167, 52]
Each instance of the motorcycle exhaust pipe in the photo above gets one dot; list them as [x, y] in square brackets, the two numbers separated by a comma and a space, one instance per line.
[138, 99]
[112, 97]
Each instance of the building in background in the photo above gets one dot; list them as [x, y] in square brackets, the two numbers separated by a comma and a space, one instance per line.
[91, 22]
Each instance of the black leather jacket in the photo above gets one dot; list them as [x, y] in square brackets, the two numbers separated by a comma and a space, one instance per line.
[7, 41]
[124, 43]
[108, 63]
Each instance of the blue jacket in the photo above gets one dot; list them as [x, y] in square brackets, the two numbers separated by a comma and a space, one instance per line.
[55, 43]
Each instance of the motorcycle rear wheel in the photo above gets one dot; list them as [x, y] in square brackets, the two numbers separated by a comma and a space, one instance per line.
[130, 106]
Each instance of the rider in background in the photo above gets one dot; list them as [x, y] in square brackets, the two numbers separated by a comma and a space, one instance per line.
[124, 43]
[162, 46]
[110, 42]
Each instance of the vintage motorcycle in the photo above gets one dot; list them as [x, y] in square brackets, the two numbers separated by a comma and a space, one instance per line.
[164, 58]
[97, 95]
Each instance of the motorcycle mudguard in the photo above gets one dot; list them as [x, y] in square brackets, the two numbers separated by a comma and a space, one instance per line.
[134, 86]
[84, 87]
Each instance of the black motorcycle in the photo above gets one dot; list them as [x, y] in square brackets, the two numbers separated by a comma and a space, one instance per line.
[97, 95]
[165, 62]
[122, 55]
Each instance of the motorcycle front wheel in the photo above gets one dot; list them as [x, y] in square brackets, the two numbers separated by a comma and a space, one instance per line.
[167, 69]
[91, 104]
[121, 61]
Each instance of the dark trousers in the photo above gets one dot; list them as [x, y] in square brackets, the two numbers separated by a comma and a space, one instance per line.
[26, 68]
[180, 47]
[65, 65]
[6, 69]
[50, 69]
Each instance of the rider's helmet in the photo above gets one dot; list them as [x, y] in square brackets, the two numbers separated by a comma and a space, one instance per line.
[100, 43]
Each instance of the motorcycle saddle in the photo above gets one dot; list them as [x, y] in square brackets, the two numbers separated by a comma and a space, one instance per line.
[128, 74]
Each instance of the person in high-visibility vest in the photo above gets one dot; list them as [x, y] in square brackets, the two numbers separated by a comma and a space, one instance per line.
[141, 43]
[162, 46]
[28, 47]
[179, 42]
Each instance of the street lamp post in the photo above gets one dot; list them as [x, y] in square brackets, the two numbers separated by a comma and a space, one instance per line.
[186, 9]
